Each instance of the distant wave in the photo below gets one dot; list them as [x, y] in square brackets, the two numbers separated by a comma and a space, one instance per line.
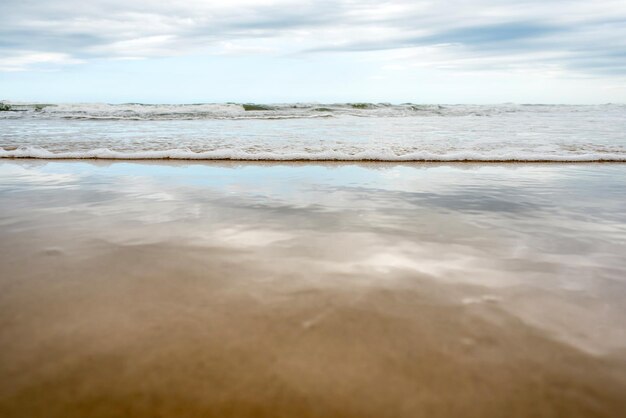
[191, 116]
[137, 111]
[238, 155]
[147, 112]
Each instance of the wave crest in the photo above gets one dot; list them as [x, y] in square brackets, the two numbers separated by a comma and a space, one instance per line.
[239, 155]
[138, 111]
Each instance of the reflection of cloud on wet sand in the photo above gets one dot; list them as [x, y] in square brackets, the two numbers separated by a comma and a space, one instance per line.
[358, 225]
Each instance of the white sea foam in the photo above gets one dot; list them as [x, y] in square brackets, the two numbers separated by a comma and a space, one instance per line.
[181, 154]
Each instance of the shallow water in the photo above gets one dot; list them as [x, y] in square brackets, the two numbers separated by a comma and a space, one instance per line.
[265, 289]
[303, 132]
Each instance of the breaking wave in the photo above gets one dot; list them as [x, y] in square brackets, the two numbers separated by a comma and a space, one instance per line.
[138, 111]
[240, 155]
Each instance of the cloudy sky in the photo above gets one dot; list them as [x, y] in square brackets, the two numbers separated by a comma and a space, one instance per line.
[454, 51]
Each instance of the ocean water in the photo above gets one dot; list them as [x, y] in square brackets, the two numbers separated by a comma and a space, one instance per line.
[315, 132]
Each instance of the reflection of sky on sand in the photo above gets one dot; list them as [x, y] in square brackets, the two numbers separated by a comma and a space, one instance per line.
[513, 229]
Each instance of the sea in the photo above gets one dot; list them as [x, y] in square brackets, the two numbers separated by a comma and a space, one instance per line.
[314, 132]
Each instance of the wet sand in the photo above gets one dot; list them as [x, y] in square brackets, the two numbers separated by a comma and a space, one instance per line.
[152, 289]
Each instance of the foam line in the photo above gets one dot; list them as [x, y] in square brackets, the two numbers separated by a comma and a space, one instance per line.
[238, 155]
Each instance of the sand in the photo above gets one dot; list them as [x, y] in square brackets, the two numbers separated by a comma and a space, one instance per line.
[153, 290]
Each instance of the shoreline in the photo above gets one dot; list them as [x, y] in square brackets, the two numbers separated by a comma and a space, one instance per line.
[325, 160]
[319, 161]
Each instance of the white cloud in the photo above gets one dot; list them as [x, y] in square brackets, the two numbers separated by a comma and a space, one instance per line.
[24, 60]
[573, 36]
[147, 46]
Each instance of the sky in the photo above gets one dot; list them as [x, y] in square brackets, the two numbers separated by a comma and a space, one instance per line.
[270, 51]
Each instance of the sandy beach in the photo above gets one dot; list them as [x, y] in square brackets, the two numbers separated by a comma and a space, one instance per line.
[150, 289]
